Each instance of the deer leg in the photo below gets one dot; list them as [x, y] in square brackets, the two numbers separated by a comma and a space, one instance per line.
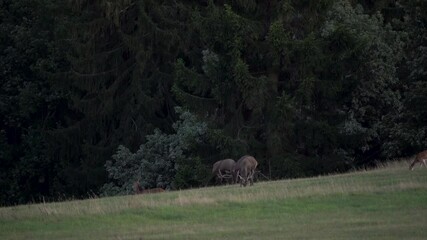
[241, 179]
[225, 177]
[412, 165]
[424, 162]
[220, 174]
[237, 176]
[251, 177]
[219, 177]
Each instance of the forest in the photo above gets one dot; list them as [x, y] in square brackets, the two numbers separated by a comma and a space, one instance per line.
[98, 94]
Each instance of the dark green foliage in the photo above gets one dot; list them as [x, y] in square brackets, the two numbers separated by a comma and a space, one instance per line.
[122, 57]
[408, 132]
[307, 87]
[30, 106]
[121, 171]
[164, 160]
[222, 89]
[191, 172]
[375, 52]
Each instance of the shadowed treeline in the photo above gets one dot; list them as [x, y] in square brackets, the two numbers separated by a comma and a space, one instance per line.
[96, 94]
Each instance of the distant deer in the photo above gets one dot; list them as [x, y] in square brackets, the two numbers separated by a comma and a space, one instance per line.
[245, 170]
[420, 158]
[139, 190]
[223, 169]
[153, 190]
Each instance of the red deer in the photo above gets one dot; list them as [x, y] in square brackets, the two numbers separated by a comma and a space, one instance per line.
[153, 190]
[139, 190]
[420, 158]
[223, 169]
[245, 170]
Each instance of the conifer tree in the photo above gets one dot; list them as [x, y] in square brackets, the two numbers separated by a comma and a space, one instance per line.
[30, 105]
[122, 62]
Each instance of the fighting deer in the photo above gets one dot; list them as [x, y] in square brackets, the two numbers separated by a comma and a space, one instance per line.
[420, 158]
[245, 170]
[139, 190]
[223, 169]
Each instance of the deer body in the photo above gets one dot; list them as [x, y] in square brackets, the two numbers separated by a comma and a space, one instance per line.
[245, 170]
[139, 190]
[153, 190]
[420, 158]
[224, 169]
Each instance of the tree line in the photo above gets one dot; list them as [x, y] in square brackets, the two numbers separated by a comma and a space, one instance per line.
[97, 94]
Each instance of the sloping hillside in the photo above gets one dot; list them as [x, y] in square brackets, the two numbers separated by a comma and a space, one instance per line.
[385, 203]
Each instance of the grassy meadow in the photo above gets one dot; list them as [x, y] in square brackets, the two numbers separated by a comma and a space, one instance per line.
[385, 203]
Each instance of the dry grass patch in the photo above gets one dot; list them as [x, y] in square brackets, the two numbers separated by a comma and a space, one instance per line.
[392, 176]
[357, 205]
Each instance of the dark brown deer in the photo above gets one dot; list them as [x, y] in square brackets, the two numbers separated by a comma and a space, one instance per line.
[420, 158]
[152, 190]
[139, 190]
[223, 169]
[245, 170]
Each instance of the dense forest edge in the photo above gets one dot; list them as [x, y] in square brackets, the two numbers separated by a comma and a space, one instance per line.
[98, 94]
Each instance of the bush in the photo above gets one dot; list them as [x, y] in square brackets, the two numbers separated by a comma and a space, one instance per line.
[165, 160]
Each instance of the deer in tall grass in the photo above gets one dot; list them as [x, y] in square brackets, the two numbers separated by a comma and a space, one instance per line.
[139, 190]
[245, 170]
[420, 158]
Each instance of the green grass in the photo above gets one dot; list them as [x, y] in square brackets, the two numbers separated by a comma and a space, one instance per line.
[385, 203]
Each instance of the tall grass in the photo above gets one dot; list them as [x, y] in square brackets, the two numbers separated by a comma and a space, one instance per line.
[191, 213]
[379, 179]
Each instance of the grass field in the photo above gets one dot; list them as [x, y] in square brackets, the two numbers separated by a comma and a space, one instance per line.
[385, 203]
